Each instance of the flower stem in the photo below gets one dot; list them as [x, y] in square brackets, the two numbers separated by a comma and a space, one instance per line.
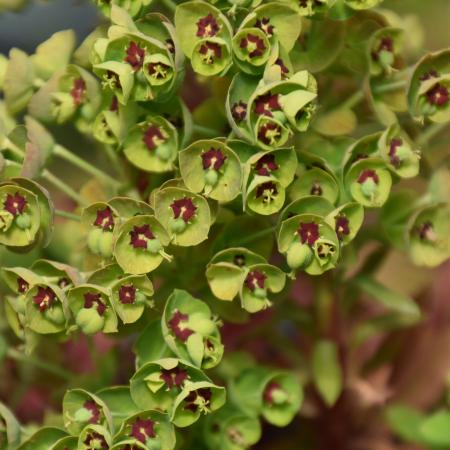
[67, 215]
[44, 365]
[56, 182]
[83, 165]
[255, 236]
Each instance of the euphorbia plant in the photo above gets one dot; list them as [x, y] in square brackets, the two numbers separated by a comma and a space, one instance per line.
[249, 155]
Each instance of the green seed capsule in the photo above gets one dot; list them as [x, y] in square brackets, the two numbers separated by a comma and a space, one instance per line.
[154, 246]
[105, 244]
[82, 415]
[299, 255]
[260, 293]
[55, 314]
[369, 188]
[23, 221]
[386, 58]
[93, 239]
[177, 225]
[279, 396]
[139, 297]
[211, 177]
[163, 152]
[89, 320]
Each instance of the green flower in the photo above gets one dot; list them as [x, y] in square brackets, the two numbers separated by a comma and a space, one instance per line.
[275, 395]
[252, 48]
[139, 247]
[309, 243]
[428, 238]
[92, 309]
[152, 145]
[191, 331]
[384, 49]
[346, 221]
[81, 408]
[94, 437]
[211, 167]
[186, 216]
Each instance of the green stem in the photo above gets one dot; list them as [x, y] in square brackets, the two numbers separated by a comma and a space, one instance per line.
[29, 359]
[67, 215]
[255, 236]
[206, 131]
[430, 133]
[83, 165]
[56, 182]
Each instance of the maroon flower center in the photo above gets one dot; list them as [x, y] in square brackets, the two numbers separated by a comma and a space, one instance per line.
[342, 226]
[174, 377]
[265, 104]
[15, 204]
[104, 219]
[184, 208]
[239, 260]
[207, 26]
[265, 165]
[395, 144]
[22, 285]
[239, 111]
[93, 408]
[180, 331]
[213, 159]
[268, 132]
[158, 70]
[135, 56]
[368, 174]
[140, 235]
[95, 441]
[264, 25]
[92, 300]
[267, 191]
[308, 233]
[254, 45]
[142, 429]
[316, 189]
[127, 294]
[191, 401]
[429, 75]
[284, 69]
[210, 51]
[438, 95]
[255, 279]
[44, 298]
[153, 137]
[114, 106]
[78, 91]
[269, 390]
[426, 232]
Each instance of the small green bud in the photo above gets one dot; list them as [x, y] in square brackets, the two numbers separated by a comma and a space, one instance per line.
[369, 188]
[23, 221]
[55, 314]
[89, 320]
[163, 152]
[139, 298]
[93, 240]
[105, 244]
[403, 152]
[177, 225]
[279, 396]
[211, 177]
[299, 255]
[386, 58]
[154, 246]
[202, 324]
[82, 415]
[260, 293]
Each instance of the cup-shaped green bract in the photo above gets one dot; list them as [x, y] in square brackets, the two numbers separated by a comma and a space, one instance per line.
[346, 220]
[264, 195]
[227, 270]
[46, 309]
[276, 395]
[140, 243]
[280, 164]
[19, 216]
[43, 439]
[157, 384]
[191, 331]
[310, 244]
[204, 34]
[128, 207]
[384, 49]
[81, 408]
[230, 429]
[429, 88]
[66, 443]
[315, 181]
[152, 145]
[186, 216]
[211, 167]
[397, 149]
[10, 430]
[260, 281]
[130, 295]
[367, 146]
[427, 236]
[134, 8]
[362, 4]
[92, 309]
[101, 219]
[94, 437]
[63, 275]
[369, 182]
[150, 428]
[78, 92]
[129, 443]
[310, 204]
